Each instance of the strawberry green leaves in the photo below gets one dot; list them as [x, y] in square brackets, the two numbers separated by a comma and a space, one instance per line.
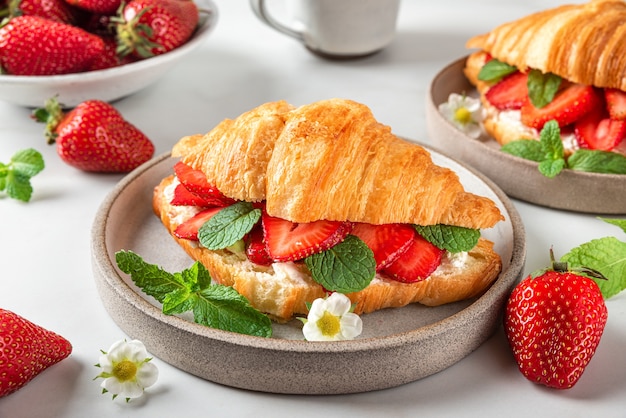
[213, 305]
[606, 255]
[15, 176]
[347, 267]
[550, 154]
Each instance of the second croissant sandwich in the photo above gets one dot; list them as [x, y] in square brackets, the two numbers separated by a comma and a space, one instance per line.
[286, 204]
[566, 64]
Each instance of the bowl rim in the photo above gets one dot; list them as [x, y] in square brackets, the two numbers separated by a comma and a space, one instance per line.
[502, 285]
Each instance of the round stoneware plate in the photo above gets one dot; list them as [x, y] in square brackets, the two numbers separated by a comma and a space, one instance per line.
[397, 345]
[519, 178]
[109, 84]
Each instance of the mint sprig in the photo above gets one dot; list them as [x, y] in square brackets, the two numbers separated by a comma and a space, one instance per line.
[550, 154]
[228, 226]
[495, 70]
[15, 176]
[455, 239]
[213, 305]
[606, 255]
[542, 87]
[347, 267]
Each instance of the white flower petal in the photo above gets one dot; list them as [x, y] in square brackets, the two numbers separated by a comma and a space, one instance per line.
[338, 304]
[147, 375]
[351, 326]
[312, 332]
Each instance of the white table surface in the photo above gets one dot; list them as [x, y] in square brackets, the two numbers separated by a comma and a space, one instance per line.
[45, 244]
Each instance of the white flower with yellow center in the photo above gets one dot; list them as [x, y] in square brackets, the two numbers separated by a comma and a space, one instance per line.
[464, 112]
[126, 369]
[331, 319]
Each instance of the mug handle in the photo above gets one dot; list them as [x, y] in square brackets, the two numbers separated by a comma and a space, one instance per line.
[260, 9]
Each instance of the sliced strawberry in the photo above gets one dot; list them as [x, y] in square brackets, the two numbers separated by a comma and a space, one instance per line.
[416, 263]
[189, 228]
[616, 103]
[195, 181]
[289, 241]
[569, 105]
[596, 130]
[256, 250]
[510, 93]
[183, 197]
[387, 241]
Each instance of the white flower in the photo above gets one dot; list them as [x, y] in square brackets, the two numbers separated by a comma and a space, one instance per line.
[464, 112]
[331, 319]
[126, 369]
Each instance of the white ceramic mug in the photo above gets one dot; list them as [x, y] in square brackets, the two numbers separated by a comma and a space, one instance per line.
[337, 28]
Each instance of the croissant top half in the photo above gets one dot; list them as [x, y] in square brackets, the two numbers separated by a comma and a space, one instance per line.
[331, 160]
[583, 43]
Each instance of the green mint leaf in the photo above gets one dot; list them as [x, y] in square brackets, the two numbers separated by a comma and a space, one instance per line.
[552, 146]
[451, 238]
[597, 161]
[150, 278]
[542, 87]
[228, 225]
[617, 222]
[213, 305]
[551, 168]
[223, 308]
[28, 162]
[347, 267]
[528, 149]
[606, 255]
[495, 70]
[15, 176]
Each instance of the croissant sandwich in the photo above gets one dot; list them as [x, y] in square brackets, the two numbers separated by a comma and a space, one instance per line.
[287, 204]
[566, 64]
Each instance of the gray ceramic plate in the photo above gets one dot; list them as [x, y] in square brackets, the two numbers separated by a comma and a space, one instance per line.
[397, 345]
[519, 178]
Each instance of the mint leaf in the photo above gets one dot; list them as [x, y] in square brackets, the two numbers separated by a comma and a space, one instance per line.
[213, 305]
[495, 70]
[223, 308]
[606, 255]
[15, 176]
[542, 87]
[550, 168]
[528, 149]
[552, 146]
[228, 225]
[347, 267]
[617, 222]
[597, 161]
[448, 237]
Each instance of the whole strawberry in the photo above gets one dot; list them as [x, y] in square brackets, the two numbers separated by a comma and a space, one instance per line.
[31, 45]
[94, 136]
[26, 349]
[554, 322]
[151, 27]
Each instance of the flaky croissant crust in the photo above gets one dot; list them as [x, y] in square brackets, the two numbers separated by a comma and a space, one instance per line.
[583, 43]
[331, 160]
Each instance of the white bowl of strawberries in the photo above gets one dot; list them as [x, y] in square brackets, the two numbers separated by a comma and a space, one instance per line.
[87, 65]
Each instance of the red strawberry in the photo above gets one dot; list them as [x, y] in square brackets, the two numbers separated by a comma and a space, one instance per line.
[109, 57]
[56, 10]
[569, 105]
[97, 6]
[152, 27]
[26, 349]
[416, 263]
[553, 323]
[183, 197]
[387, 241]
[95, 137]
[509, 93]
[196, 182]
[596, 130]
[256, 250]
[29, 45]
[189, 228]
[289, 241]
[616, 103]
